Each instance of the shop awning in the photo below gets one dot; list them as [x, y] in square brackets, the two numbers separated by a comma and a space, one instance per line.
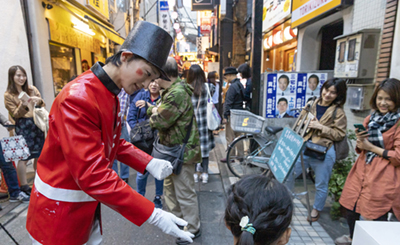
[110, 34]
[214, 50]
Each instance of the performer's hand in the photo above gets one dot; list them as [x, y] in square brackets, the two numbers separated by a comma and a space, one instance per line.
[168, 223]
[159, 168]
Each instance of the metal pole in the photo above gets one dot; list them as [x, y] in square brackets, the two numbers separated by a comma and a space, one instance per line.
[256, 49]
[306, 189]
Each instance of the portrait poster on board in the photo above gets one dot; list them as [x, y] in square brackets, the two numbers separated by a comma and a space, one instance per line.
[286, 91]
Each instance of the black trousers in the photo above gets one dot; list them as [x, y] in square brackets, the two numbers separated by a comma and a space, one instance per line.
[352, 217]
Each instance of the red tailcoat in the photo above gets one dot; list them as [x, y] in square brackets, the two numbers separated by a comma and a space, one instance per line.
[74, 170]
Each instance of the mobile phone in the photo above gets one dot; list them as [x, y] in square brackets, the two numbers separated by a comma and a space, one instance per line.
[360, 127]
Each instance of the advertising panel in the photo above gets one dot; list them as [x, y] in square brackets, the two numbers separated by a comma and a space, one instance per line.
[205, 23]
[100, 6]
[198, 5]
[305, 10]
[287, 91]
[275, 11]
[163, 14]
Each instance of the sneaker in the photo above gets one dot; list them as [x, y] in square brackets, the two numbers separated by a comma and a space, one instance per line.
[26, 189]
[157, 202]
[204, 178]
[22, 197]
[223, 159]
[199, 168]
[343, 240]
[196, 177]
[182, 242]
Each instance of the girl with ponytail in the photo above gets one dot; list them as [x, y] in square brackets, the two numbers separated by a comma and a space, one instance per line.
[259, 211]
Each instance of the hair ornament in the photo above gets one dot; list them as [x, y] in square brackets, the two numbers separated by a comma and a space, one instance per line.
[246, 226]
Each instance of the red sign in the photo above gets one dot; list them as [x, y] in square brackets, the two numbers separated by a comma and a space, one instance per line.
[205, 23]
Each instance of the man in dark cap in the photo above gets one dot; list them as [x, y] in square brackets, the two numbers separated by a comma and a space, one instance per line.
[233, 100]
[74, 172]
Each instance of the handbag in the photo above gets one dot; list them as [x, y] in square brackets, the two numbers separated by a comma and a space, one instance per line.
[41, 118]
[174, 154]
[315, 151]
[213, 117]
[142, 135]
[341, 147]
[14, 148]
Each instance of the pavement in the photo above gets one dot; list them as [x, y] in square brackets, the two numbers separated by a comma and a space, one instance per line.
[212, 198]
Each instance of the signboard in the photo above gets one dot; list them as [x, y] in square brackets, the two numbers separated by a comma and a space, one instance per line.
[275, 11]
[305, 10]
[163, 16]
[100, 6]
[292, 89]
[205, 22]
[199, 45]
[285, 154]
[199, 5]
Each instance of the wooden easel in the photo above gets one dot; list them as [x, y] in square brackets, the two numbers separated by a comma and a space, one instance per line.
[301, 127]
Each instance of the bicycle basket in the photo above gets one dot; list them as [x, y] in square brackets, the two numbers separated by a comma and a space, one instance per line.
[246, 122]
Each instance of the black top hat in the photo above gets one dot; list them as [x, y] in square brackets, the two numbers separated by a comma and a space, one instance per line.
[150, 42]
[230, 70]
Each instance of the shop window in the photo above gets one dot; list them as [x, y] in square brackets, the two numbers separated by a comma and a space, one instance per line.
[63, 65]
[342, 49]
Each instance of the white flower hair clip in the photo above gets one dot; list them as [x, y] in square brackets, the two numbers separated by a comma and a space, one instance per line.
[246, 226]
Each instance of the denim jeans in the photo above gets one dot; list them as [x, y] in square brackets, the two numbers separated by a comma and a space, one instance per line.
[10, 176]
[124, 169]
[141, 182]
[322, 170]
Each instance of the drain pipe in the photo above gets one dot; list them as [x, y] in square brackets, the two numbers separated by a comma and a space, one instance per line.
[25, 14]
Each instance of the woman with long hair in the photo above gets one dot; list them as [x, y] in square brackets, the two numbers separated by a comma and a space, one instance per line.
[259, 211]
[329, 125]
[372, 188]
[22, 112]
[197, 79]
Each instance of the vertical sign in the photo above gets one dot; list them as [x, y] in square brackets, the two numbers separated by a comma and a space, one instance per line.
[163, 14]
[205, 23]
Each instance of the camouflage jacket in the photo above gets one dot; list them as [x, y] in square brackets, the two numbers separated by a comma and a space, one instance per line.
[172, 120]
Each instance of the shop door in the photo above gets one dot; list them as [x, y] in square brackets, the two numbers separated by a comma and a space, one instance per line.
[328, 45]
[63, 65]
[289, 59]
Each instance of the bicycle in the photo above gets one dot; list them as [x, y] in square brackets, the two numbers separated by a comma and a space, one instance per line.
[250, 153]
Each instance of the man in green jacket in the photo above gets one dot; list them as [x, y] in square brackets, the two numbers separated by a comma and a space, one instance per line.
[172, 117]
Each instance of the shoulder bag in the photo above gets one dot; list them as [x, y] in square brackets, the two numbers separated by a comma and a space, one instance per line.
[213, 117]
[142, 135]
[315, 151]
[41, 118]
[174, 154]
[342, 146]
[14, 148]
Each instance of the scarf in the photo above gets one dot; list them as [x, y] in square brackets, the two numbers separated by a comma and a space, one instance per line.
[378, 124]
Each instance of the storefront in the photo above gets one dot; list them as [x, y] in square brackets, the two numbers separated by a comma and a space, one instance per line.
[319, 22]
[279, 39]
[78, 39]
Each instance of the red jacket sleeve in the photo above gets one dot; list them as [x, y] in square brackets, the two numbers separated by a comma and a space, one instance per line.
[83, 148]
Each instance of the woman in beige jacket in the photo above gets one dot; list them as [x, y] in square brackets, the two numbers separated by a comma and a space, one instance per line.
[324, 130]
[22, 112]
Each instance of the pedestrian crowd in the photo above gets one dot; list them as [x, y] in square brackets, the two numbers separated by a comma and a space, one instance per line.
[87, 151]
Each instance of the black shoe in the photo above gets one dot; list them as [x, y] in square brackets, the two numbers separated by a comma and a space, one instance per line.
[126, 180]
[157, 202]
[182, 242]
[26, 189]
[1, 208]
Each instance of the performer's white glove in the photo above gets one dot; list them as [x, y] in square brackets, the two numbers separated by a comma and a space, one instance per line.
[159, 168]
[168, 223]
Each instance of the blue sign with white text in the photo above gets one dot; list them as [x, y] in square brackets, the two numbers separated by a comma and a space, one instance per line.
[164, 5]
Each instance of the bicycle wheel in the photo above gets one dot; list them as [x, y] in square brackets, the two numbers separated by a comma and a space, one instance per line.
[245, 156]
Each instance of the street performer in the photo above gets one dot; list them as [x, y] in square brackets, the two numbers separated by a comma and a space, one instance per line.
[74, 172]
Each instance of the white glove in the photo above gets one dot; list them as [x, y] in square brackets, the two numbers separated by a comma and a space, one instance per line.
[159, 168]
[168, 223]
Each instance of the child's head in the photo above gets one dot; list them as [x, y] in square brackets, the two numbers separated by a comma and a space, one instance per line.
[268, 206]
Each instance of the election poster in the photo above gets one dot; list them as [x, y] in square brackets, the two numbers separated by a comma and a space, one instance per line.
[287, 91]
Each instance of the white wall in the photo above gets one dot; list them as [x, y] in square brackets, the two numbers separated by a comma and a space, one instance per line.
[13, 47]
[395, 65]
[41, 51]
